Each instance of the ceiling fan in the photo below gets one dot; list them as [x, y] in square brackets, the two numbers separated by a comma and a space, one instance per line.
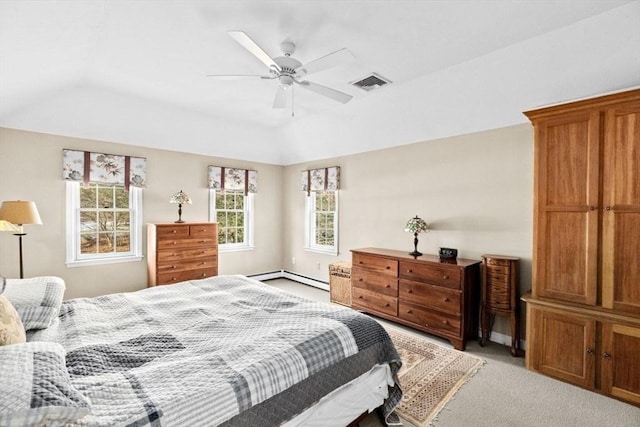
[289, 71]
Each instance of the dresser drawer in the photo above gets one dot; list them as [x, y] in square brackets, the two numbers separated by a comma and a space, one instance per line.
[364, 279]
[431, 273]
[187, 243]
[194, 264]
[202, 230]
[181, 276]
[496, 269]
[437, 297]
[175, 254]
[498, 262]
[494, 277]
[378, 264]
[172, 231]
[499, 295]
[426, 318]
[365, 299]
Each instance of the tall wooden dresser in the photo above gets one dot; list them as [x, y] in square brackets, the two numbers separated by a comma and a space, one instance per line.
[437, 296]
[179, 252]
[583, 314]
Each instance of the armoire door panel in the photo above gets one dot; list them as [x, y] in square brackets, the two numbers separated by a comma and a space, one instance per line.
[621, 209]
[620, 367]
[566, 346]
[567, 260]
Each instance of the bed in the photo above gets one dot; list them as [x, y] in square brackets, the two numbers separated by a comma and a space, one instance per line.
[227, 351]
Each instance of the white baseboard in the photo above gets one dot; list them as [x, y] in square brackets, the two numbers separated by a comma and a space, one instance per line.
[503, 339]
[496, 337]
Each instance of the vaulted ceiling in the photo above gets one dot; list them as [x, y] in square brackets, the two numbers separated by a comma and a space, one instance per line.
[135, 72]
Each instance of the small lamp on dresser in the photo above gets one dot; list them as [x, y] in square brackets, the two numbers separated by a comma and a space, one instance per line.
[416, 225]
[180, 198]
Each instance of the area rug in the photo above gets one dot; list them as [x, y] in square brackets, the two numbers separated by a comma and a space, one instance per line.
[430, 376]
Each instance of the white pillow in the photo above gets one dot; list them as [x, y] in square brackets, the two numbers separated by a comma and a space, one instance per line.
[37, 300]
[36, 387]
[11, 328]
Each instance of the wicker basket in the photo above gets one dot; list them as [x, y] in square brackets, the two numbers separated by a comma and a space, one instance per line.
[340, 283]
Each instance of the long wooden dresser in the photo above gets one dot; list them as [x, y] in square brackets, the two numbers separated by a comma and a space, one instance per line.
[179, 252]
[433, 295]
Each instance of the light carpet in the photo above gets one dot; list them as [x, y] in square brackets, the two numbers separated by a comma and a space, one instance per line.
[430, 376]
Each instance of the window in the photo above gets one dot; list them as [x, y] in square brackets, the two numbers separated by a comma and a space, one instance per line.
[233, 211]
[322, 222]
[104, 224]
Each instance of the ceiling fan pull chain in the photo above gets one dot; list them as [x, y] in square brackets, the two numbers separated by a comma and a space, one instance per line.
[292, 103]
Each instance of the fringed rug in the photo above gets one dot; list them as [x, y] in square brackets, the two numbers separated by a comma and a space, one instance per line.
[430, 376]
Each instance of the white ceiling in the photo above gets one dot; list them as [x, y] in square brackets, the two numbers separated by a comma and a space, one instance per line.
[135, 72]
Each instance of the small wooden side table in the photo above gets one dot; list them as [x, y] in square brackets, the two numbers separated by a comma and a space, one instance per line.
[500, 296]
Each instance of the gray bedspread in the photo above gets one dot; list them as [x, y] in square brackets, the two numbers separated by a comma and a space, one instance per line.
[222, 351]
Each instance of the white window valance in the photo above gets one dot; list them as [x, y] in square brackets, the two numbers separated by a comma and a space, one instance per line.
[222, 178]
[104, 169]
[323, 179]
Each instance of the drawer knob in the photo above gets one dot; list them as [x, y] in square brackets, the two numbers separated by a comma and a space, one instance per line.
[175, 243]
[387, 305]
[387, 286]
[590, 351]
[410, 291]
[409, 271]
[174, 267]
[174, 231]
[608, 208]
[360, 279]
[445, 299]
[409, 311]
[445, 277]
[360, 296]
[606, 356]
[387, 267]
[592, 208]
[446, 322]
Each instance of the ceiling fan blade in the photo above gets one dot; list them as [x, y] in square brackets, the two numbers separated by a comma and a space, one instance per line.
[280, 101]
[239, 76]
[242, 38]
[339, 57]
[336, 95]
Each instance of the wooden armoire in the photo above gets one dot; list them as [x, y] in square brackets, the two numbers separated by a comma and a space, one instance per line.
[583, 313]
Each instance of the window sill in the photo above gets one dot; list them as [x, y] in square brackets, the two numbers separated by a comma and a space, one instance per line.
[100, 261]
[222, 249]
[331, 251]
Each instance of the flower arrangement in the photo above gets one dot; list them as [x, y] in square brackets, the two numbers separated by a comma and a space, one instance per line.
[417, 225]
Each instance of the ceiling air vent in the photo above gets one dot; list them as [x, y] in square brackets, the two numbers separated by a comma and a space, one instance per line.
[372, 81]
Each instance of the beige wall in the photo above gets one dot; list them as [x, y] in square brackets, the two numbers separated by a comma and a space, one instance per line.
[30, 169]
[475, 191]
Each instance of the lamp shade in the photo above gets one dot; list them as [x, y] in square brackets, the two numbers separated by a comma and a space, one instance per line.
[180, 198]
[20, 212]
[417, 225]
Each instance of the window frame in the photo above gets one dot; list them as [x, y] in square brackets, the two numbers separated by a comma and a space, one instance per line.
[249, 213]
[73, 256]
[310, 243]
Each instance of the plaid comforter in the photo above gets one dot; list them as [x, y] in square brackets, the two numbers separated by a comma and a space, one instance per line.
[221, 351]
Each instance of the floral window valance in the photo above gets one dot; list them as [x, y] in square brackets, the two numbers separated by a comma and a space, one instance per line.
[104, 169]
[221, 178]
[324, 179]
